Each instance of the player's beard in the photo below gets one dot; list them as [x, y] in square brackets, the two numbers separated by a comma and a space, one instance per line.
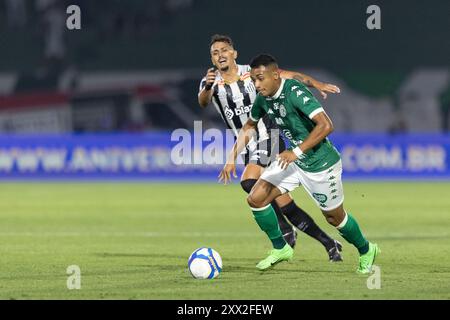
[225, 69]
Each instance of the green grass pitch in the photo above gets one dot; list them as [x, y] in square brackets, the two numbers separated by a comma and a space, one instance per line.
[132, 241]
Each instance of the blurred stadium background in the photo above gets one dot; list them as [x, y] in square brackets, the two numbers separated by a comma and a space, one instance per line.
[101, 103]
[135, 67]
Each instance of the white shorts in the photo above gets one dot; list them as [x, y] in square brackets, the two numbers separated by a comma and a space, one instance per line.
[325, 187]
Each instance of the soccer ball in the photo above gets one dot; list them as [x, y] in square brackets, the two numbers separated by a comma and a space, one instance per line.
[205, 263]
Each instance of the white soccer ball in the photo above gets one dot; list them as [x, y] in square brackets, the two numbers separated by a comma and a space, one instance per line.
[205, 263]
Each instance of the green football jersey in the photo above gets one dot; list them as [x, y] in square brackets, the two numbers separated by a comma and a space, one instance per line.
[292, 109]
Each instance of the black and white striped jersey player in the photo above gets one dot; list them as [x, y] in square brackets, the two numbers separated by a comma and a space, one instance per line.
[232, 92]
[233, 101]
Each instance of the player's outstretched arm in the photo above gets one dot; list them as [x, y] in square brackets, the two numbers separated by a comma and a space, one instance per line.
[206, 92]
[323, 128]
[247, 132]
[322, 87]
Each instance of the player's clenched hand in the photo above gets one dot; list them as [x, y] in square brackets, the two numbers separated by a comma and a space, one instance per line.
[225, 174]
[210, 77]
[285, 158]
[326, 87]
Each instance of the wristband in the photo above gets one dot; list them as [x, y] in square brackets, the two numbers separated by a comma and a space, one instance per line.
[298, 152]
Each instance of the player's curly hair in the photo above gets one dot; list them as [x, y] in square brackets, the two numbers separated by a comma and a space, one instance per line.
[221, 38]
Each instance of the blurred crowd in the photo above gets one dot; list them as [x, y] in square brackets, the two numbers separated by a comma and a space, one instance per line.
[110, 19]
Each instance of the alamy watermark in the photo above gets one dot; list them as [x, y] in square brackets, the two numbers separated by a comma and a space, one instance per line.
[374, 280]
[73, 21]
[373, 22]
[74, 278]
[212, 146]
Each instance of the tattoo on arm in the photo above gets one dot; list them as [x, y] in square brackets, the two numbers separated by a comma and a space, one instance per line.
[303, 80]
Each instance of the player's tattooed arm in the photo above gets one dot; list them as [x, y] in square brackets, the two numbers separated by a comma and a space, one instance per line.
[323, 128]
[247, 132]
[308, 81]
[322, 87]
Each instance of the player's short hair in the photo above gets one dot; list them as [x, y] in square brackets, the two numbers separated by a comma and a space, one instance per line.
[221, 38]
[263, 60]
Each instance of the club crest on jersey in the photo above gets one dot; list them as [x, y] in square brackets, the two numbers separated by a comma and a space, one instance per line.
[320, 197]
[276, 105]
[283, 111]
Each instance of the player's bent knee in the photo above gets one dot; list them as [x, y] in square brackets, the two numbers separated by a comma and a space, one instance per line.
[255, 203]
[251, 202]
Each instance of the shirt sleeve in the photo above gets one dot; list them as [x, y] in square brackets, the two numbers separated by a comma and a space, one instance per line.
[257, 111]
[304, 101]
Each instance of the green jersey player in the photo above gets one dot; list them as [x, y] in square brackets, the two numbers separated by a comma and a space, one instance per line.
[311, 161]
[232, 92]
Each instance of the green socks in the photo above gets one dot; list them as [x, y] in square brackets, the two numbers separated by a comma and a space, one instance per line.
[267, 221]
[350, 231]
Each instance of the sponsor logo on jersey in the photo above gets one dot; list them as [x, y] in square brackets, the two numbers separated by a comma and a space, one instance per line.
[241, 110]
[237, 111]
[229, 113]
[320, 197]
